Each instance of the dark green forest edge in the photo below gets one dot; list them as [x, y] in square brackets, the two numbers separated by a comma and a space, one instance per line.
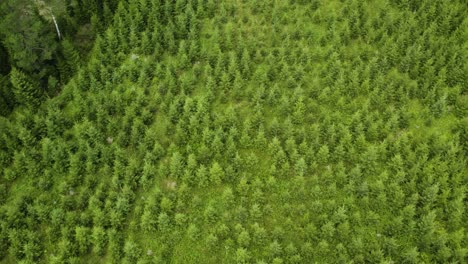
[236, 131]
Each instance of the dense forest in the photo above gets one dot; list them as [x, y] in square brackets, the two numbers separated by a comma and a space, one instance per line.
[234, 131]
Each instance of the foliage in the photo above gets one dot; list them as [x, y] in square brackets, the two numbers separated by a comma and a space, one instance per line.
[235, 132]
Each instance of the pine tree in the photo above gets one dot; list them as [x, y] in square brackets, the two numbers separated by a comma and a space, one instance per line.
[202, 177]
[25, 91]
[71, 60]
[132, 252]
[242, 256]
[83, 238]
[99, 240]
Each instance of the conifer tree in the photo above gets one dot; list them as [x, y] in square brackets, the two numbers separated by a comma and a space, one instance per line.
[25, 91]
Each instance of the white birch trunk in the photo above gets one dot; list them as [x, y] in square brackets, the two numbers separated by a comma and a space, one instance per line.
[56, 27]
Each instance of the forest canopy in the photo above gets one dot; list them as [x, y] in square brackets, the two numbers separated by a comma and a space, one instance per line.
[157, 131]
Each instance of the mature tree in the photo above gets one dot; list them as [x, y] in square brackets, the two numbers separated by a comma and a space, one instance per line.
[31, 33]
[26, 92]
